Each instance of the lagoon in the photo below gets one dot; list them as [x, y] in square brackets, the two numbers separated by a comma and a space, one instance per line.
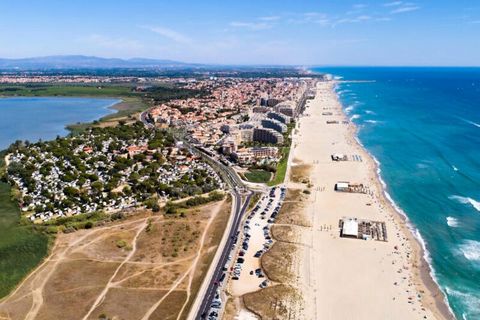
[35, 118]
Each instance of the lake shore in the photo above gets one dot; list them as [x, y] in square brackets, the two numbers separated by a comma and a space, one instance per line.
[350, 278]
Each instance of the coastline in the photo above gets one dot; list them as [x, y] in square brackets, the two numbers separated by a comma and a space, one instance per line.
[426, 272]
[419, 271]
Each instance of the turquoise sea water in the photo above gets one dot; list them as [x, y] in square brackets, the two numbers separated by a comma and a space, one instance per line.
[45, 118]
[423, 126]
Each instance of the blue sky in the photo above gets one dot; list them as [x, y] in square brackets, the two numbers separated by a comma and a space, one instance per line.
[301, 32]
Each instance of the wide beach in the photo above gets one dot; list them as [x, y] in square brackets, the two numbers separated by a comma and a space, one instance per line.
[345, 278]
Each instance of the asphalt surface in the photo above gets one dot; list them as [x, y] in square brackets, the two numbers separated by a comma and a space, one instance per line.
[212, 287]
[237, 187]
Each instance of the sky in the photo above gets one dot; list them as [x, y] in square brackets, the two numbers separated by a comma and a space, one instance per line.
[285, 32]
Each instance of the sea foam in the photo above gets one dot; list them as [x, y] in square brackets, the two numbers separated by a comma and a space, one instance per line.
[466, 200]
[452, 222]
[471, 250]
[469, 300]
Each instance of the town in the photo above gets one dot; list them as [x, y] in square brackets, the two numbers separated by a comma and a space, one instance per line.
[107, 169]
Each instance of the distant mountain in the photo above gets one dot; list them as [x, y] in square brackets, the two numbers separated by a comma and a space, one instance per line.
[87, 62]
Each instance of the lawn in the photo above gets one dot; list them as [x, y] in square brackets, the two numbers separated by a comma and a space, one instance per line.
[281, 168]
[258, 176]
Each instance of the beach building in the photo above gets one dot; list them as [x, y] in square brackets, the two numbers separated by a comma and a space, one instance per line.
[349, 228]
[274, 124]
[362, 229]
[339, 157]
[342, 186]
[267, 135]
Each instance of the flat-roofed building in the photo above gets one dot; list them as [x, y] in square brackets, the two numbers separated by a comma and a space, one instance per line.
[274, 124]
[278, 116]
[267, 135]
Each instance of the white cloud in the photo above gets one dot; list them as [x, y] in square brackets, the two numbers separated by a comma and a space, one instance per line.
[251, 25]
[270, 18]
[405, 9]
[393, 4]
[170, 34]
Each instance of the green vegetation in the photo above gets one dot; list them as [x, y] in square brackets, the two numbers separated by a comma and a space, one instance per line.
[65, 90]
[253, 201]
[258, 176]
[22, 248]
[80, 221]
[173, 207]
[281, 168]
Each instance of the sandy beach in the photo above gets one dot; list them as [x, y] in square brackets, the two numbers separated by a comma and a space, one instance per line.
[346, 278]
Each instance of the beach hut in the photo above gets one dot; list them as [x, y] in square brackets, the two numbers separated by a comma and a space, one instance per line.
[342, 186]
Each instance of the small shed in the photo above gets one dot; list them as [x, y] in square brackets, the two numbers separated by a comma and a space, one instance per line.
[342, 186]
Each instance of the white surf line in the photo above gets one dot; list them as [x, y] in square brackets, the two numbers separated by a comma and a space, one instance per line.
[102, 295]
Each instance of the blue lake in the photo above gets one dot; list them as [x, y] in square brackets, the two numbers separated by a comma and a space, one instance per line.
[34, 118]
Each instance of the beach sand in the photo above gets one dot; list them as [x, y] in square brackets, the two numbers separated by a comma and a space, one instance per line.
[343, 278]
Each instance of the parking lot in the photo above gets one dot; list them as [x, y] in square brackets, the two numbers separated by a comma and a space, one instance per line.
[253, 240]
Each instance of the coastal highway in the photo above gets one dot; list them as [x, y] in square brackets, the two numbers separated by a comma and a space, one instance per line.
[201, 305]
[209, 295]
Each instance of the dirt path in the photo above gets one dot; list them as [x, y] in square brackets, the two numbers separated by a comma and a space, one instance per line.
[37, 294]
[199, 255]
[189, 272]
[109, 283]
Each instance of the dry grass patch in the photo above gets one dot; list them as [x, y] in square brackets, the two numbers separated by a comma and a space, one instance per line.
[71, 305]
[162, 277]
[278, 262]
[170, 307]
[82, 273]
[278, 302]
[168, 241]
[126, 304]
[285, 233]
[293, 213]
[300, 173]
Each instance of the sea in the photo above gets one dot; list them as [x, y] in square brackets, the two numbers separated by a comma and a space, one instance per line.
[39, 118]
[422, 125]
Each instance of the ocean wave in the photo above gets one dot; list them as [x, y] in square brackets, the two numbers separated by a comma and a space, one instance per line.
[416, 233]
[422, 166]
[469, 300]
[348, 109]
[369, 112]
[471, 250]
[471, 122]
[452, 222]
[372, 121]
[466, 200]
[355, 116]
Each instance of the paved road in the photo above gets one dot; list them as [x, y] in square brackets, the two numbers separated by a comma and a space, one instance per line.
[213, 285]
[238, 190]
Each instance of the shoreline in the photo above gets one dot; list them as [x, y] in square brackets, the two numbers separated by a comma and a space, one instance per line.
[426, 272]
[392, 279]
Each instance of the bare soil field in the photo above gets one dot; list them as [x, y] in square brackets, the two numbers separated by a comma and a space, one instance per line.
[145, 267]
